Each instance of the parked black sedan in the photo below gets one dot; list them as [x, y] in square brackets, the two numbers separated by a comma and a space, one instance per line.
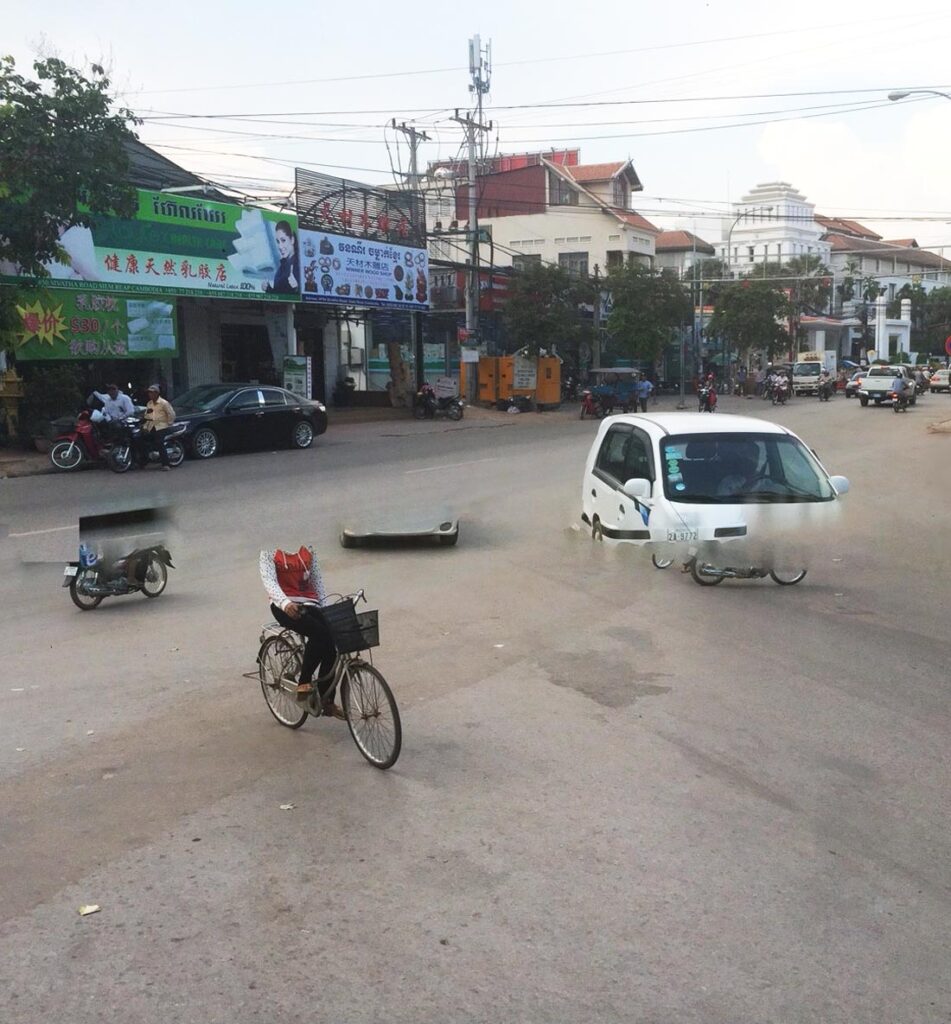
[240, 417]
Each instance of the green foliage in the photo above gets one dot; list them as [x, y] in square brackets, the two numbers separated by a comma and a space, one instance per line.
[61, 157]
[750, 315]
[936, 319]
[648, 308]
[50, 392]
[544, 309]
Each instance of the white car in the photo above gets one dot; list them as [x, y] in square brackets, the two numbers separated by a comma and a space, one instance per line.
[684, 484]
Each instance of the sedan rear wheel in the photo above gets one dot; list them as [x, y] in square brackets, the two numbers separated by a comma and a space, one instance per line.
[205, 443]
[303, 434]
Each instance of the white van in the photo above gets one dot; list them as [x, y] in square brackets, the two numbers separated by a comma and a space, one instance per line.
[679, 480]
[807, 368]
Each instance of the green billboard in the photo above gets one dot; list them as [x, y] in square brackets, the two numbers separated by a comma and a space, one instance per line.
[59, 323]
[177, 244]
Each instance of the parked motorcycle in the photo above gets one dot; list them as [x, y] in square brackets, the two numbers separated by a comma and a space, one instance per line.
[427, 405]
[569, 388]
[707, 398]
[591, 405]
[85, 443]
[130, 446]
[90, 580]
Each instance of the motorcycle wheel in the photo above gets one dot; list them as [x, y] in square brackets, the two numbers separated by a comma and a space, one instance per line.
[156, 576]
[455, 412]
[662, 563]
[67, 455]
[787, 578]
[419, 413]
[119, 458]
[582, 411]
[698, 577]
[85, 602]
[176, 453]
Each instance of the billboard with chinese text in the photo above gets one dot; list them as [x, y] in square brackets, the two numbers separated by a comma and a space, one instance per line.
[352, 271]
[178, 244]
[63, 323]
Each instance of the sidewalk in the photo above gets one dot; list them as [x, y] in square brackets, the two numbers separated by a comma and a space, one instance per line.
[17, 462]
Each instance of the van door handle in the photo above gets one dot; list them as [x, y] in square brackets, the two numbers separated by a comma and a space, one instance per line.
[594, 493]
[620, 509]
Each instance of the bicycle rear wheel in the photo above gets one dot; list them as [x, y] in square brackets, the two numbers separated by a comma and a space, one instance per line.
[279, 665]
[372, 714]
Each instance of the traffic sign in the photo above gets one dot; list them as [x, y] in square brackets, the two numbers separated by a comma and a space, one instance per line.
[947, 345]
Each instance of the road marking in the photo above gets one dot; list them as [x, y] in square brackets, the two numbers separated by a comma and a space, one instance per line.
[433, 469]
[36, 533]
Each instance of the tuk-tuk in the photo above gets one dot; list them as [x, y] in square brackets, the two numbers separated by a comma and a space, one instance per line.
[609, 389]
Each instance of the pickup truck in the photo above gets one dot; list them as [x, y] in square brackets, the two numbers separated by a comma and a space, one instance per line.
[877, 384]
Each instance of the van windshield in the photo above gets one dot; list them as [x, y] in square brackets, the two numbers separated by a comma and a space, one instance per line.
[806, 370]
[730, 469]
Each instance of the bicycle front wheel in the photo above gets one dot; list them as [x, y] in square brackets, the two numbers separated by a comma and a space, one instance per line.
[279, 667]
[372, 714]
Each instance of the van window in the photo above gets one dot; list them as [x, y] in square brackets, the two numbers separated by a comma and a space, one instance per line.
[612, 456]
[737, 468]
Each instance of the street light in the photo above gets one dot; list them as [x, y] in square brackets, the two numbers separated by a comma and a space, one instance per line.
[917, 92]
[729, 237]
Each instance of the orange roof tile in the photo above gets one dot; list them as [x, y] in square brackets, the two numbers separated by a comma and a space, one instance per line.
[905, 243]
[681, 241]
[595, 172]
[841, 225]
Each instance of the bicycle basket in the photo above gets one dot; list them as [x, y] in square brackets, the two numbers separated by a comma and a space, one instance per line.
[352, 631]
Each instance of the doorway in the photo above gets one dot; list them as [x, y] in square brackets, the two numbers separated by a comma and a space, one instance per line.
[246, 355]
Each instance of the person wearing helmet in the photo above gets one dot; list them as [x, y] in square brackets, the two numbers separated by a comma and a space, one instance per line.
[159, 416]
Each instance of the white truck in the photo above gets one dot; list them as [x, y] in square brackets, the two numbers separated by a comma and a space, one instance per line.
[877, 384]
[806, 370]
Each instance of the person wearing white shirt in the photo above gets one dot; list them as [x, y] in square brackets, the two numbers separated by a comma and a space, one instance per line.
[116, 405]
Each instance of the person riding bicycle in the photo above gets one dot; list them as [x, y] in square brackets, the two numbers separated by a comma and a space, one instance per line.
[296, 588]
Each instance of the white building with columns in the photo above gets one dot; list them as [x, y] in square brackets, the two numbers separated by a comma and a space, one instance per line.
[772, 223]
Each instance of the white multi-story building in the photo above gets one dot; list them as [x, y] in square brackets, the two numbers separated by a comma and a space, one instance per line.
[772, 223]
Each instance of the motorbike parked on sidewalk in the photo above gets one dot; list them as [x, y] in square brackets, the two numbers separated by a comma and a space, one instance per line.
[427, 405]
[143, 571]
[85, 443]
[130, 444]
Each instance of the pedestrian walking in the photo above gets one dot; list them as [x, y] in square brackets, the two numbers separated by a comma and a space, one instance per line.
[644, 388]
[159, 416]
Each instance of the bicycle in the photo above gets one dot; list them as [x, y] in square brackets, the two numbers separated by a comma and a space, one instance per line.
[368, 702]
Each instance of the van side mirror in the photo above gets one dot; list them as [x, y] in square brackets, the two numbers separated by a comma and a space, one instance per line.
[637, 487]
[840, 483]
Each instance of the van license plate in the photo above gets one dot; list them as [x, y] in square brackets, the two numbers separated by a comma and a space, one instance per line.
[71, 570]
[681, 535]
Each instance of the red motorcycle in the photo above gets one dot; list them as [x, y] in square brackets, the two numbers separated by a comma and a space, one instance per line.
[592, 405]
[81, 445]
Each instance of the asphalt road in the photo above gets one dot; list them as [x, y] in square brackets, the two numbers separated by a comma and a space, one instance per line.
[621, 796]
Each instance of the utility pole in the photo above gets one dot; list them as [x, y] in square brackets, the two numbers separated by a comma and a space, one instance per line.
[480, 73]
[596, 321]
[415, 138]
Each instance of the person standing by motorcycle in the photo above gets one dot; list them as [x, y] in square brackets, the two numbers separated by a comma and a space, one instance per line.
[159, 416]
[116, 404]
[296, 589]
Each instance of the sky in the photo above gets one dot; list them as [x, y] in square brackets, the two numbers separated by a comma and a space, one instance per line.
[689, 91]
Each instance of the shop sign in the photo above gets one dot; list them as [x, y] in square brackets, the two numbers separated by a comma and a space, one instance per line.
[360, 272]
[297, 375]
[176, 244]
[56, 323]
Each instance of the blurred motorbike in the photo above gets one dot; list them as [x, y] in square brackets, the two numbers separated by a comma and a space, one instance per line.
[427, 405]
[144, 571]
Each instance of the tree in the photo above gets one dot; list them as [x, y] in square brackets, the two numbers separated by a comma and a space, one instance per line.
[936, 319]
[62, 157]
[750, 315]
[544, 308]
[647, 309]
